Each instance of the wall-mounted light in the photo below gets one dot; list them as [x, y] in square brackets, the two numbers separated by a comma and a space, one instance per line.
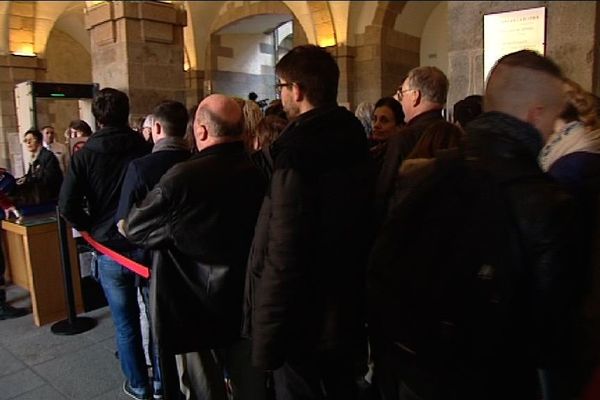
[326, 41]
[24, 49]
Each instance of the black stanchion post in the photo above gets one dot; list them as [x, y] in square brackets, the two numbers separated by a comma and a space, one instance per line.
[73, 324]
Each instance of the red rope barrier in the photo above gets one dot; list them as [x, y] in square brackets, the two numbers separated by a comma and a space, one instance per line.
[124, 261]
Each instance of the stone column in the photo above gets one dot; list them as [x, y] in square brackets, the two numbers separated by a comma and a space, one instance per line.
[137, 47]
[344, 56]
[383, 58]
[13, 70]
[194, 87]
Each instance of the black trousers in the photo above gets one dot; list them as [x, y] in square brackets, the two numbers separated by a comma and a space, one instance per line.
[323, 377]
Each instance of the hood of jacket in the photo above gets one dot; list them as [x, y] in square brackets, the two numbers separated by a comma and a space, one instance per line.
[114, 140]
[504, 136]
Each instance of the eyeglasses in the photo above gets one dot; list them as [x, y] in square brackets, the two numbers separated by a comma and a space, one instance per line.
[281, 85]
[400, 92]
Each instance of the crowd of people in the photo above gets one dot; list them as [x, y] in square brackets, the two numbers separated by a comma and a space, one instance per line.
[309, 252]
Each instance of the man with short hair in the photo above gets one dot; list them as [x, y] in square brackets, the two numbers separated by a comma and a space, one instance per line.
[169, 121]
[199, 220]
[422, 96]
[305, 284]
[505, 309]
[523, 98]
[60, 150]
[94, 178]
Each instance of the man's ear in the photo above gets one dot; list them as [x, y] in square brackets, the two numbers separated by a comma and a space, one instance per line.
[297, 92]
[416, 97]
[157, 128]
[200, 133]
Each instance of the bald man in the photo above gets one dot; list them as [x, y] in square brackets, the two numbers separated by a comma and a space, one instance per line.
[200, 220]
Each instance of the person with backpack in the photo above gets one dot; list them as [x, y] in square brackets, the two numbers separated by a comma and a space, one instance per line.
[474, 276]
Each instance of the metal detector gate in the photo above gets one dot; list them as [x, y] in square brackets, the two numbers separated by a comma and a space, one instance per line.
[26, 94]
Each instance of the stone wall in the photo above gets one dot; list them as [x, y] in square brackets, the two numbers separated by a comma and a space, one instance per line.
[383, 58]
[570, 35]
[137, 47]
[243, 64]
[67, 61]
[13, 70]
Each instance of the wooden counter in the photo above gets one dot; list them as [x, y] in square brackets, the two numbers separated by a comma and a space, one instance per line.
[32, 252]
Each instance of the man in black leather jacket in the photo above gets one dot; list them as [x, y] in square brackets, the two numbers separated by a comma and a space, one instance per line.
[200, 219]
[305, 284]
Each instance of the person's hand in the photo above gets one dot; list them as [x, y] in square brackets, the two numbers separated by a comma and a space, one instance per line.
[12, 210]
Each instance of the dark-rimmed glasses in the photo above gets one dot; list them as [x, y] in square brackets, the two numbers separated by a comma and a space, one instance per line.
[281, 85]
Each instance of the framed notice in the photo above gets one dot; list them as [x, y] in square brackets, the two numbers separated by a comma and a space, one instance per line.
[507, 32]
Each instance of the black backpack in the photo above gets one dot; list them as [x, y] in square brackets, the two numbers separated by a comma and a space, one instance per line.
[442, 272]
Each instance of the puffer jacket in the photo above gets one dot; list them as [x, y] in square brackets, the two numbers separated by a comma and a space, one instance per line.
[548, 226]
[95, 176]
[199, 220]
[305, 281]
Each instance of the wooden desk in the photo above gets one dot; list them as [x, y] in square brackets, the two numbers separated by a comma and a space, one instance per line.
[32, 252]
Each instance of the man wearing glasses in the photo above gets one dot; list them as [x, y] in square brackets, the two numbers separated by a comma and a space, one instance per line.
[304, 288]
[422, 96]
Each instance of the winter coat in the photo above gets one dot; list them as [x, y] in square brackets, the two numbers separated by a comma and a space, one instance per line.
[305, 283]
[95, 178]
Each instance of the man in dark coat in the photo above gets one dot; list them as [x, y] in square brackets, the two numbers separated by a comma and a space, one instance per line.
[199, 219]
[305, 284]
[169, 122]
[95, 177]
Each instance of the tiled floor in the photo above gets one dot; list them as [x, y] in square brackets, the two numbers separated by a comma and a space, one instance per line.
[36, 364]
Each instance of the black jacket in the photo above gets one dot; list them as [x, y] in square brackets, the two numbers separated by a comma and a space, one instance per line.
[199, 219]
[95, 176]
[548, 231]
[305, 283]
[46, 175]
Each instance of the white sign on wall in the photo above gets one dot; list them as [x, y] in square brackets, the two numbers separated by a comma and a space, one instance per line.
[508, 32]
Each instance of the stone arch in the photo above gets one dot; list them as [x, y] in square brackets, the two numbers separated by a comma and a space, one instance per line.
[387, 12]
[251, 9]
[215, 79]
[324, 28]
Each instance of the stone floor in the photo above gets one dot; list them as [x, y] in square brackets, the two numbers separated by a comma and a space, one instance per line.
[36, 364]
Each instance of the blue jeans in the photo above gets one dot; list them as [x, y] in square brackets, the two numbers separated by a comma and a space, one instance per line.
[120, 290]
[154, 353]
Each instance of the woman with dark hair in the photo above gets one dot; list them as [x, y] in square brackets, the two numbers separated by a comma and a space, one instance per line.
[387, 119]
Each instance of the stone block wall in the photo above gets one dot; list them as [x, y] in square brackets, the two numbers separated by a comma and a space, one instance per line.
[241, 64]
[570, 36]
[67, 61]
[137, 47]
[13, 70]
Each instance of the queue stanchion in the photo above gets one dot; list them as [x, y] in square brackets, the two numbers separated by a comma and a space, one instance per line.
[73, 325]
